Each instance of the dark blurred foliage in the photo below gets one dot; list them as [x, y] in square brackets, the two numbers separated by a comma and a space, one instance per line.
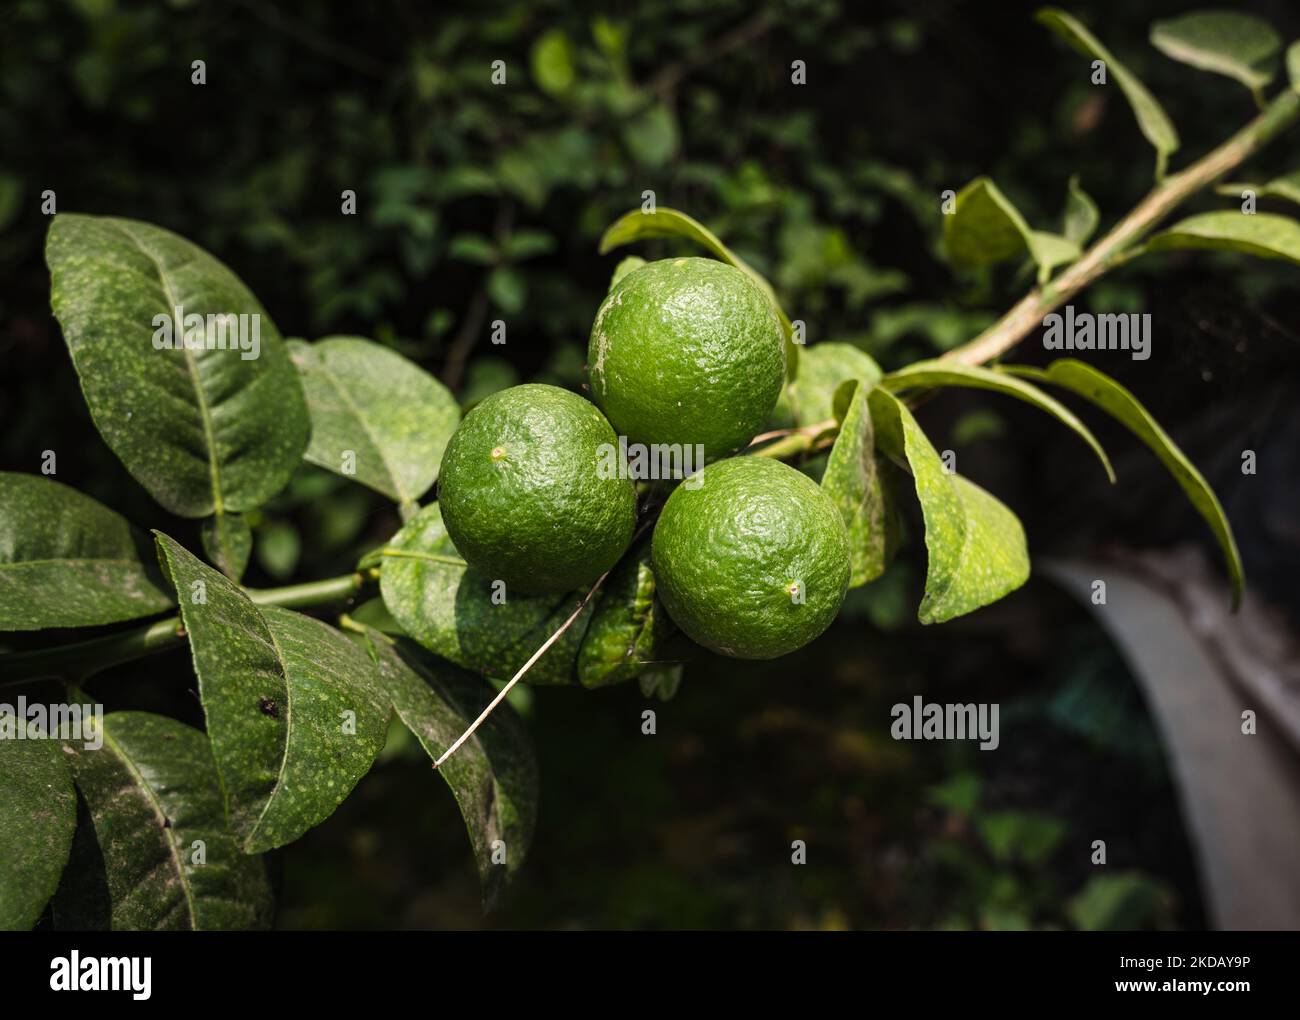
[478, 202]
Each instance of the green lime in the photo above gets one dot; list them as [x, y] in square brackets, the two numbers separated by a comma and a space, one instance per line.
[751, 558]
[527, 493]
[687, 351]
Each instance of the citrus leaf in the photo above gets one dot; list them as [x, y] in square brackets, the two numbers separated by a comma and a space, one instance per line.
[552, 62]
[227, 542]
[852, 481]
[1285, 187]
[1230, 43]
[976, 545]
[628, 625]
[376, 417]
[1081, 217]
[624, 267]
[493, 775]
[38, 814]
[637, 225]
[985, 228]
[155, 852]
[1264, 235]
[1118, 402]
[1152, 120]
[450, 609]
[202, 430]
[1293, 65]
[823, 368]
[68, 561]
[291, 704]
[928, 374]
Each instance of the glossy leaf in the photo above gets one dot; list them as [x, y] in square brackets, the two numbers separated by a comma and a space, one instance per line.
[1113, 398]
[154, 851]
[292, 706]
[1261, 234]
[38, 814]
[450, 609]
[493, 775]
[852, 481]
[1230, 43]
[1152, 120]
[376, 417]
[228, 543]
[926, 374]
[637, 225]
[1285, 187]
[68, 561]
[203, 430]
[628, 626]
[1081, 217]
[823, 368]
[976, 545]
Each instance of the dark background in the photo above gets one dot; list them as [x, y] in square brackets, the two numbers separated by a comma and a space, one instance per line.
[478, 202]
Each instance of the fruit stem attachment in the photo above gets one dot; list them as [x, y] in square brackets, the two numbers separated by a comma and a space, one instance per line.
[1119, 245]
[501, 694]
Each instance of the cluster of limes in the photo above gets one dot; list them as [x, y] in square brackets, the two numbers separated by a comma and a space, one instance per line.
[751, 558]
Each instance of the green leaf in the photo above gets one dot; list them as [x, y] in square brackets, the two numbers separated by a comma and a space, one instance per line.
[552, 62]
[450, 608]
[1118, 402]
[628, 626]
[527, 244]
[976, 545]
[508, 289]
[292, 705]
[1152, 120]
[493, 775]
[38, 814]
[823, 368]
[1230, 43]
[852, 481]
[1265, 235]
[68, 561]
[1285, 187]
[202, 430]
[637, 225]
[472, 248]
[662, 681]
[927, 374]
[1081, 217]
[228, 542]
[155, 852]
[652, 137]
[985, 228]
[1293, 65]
[376, 417]
[1122, 902]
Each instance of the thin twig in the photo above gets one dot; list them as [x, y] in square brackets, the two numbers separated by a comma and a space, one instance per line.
[501, 695]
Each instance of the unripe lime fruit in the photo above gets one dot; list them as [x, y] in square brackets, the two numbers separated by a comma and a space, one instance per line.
[751, 558]
[525, 495]
[687, 351]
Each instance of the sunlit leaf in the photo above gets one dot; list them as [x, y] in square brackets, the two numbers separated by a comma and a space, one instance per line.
[1265, 235]
[1230, 43]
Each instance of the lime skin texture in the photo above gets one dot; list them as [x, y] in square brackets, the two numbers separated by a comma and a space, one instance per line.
[687, 351]
[522, 493]
[729, 553]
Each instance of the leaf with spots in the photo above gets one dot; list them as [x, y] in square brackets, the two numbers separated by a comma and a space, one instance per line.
[206, 429]
[465, 617]
[629, 626]
[292, 706]
[68, 561]
[38, 814]
[637, 225]
[823, 368]
[1264, 235]
[228, 542]
[976, 545]
[853, 482]
[376, 417]
[493, 775]
[153, 851]
[1125, 408]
